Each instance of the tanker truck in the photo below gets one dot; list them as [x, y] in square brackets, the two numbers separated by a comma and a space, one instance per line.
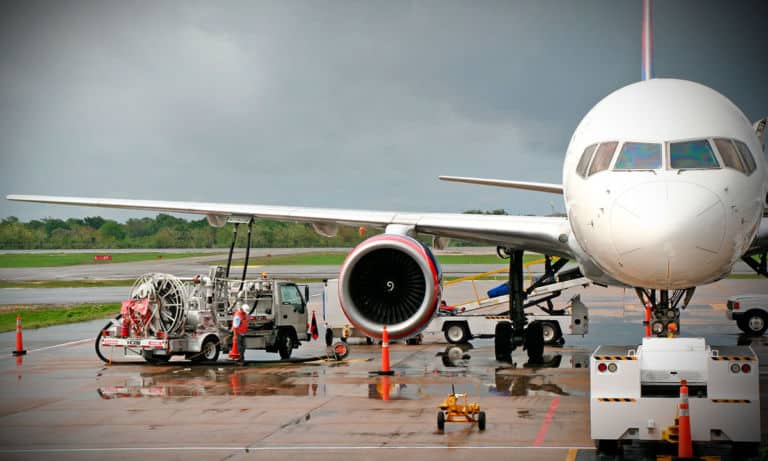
[168, 315]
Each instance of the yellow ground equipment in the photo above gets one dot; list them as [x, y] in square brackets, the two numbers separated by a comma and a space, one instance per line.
[453, 411]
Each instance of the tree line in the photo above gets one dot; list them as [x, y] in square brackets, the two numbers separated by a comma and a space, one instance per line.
[166, 231]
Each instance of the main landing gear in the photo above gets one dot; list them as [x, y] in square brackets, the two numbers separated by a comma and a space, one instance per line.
[508, 336]
[758, 262]
[665, 309]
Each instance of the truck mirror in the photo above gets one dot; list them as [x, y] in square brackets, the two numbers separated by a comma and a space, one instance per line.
[306, 294]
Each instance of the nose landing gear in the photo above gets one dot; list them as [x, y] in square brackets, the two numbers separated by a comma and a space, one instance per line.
[665, 310]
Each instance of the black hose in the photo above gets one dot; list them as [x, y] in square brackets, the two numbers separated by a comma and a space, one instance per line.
[98, 339]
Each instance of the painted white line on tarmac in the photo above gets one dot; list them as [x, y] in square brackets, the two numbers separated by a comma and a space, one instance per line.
[71, 343]
[289, 448]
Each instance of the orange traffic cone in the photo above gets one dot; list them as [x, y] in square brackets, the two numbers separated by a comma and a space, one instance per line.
[647, 321]
[19, 340]
[685, 444]
[385, 354]
[234, 353]
[385, 388]
[234, 383]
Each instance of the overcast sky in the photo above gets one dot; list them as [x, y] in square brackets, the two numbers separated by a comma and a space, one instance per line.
[356, 104]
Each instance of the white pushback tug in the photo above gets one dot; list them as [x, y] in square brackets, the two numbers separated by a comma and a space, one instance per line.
[635, 390]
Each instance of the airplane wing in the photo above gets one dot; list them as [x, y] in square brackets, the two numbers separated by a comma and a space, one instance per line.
[533, 233]
[536, 186]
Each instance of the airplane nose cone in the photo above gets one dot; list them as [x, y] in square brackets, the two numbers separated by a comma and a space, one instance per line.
[668, 234]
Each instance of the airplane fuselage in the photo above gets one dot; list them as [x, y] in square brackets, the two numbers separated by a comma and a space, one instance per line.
[665, 184]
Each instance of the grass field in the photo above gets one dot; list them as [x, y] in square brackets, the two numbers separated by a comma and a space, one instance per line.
[71, 259]
[46, 316]
[336, 259]
[65, 283]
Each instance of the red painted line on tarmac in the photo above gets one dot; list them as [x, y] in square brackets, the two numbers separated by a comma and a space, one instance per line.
[547, 421]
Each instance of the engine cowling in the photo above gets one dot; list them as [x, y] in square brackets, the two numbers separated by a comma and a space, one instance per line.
[390, 280]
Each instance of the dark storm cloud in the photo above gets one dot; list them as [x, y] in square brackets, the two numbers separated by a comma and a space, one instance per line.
[347, 104]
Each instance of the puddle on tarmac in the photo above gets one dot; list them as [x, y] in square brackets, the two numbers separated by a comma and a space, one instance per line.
[479, 374]
[212, 381]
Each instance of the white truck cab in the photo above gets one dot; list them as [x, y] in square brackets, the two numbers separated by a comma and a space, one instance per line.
[750, 311]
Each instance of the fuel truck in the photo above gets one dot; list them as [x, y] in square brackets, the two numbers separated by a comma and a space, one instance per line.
[192, 317]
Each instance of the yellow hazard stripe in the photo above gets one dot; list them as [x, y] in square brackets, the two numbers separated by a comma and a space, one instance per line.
[734, 358]
[730, 401]
[497, 317]
[615, 357]
[615, 399]
[495, 271]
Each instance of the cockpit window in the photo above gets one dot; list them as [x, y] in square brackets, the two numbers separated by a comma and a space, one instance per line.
[729, 154]
[639, 156]
[603, 157]
[581, 168]
[692, 155]
[746, 156]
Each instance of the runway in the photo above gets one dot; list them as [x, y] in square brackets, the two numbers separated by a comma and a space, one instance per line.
[62, 401]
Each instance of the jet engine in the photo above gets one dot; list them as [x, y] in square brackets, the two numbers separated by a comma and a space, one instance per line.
[390, 280]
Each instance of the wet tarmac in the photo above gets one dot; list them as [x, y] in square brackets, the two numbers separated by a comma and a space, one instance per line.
[61, 401]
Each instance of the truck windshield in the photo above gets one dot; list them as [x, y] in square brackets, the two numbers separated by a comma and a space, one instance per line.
[289, 294]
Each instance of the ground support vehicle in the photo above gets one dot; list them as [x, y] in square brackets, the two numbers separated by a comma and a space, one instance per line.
[635, 392]
[750, 312]
[481, 322]
[478, 319]
[453, 410]
[168, 315]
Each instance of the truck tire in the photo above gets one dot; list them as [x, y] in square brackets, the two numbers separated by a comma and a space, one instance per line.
[209, 351]
[150, 357]
[551, 332]
[502, 341]
[534, 342]
[284, 345]
[328, 337]
[456, 333]
[755, 322]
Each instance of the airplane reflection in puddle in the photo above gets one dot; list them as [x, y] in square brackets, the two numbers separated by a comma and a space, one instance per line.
[458, 356]
[197, 382]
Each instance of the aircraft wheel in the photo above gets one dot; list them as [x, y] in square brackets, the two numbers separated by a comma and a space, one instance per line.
[502, 341]
[481, 421]
[534, 341]
[440, 421]
[328, 336]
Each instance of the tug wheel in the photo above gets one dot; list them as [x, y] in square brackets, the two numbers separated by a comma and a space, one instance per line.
[608, 447]
[481, 421]
[440, 421]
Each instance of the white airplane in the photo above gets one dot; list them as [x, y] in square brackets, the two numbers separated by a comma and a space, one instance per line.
[665, 186]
